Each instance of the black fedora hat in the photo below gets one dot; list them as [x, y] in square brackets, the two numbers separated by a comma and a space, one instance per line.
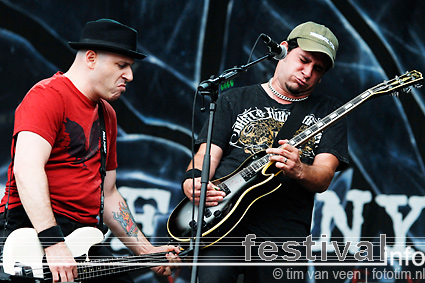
[109, 35]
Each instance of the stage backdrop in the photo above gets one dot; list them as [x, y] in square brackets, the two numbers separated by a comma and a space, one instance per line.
[188, 41]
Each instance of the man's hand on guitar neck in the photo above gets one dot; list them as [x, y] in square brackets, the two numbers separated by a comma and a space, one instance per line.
[214, 196]
[172, 256]
[287, 159]
[314, 178]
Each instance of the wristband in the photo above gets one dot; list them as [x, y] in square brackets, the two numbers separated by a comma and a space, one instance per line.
[51, 236]
[191, 173]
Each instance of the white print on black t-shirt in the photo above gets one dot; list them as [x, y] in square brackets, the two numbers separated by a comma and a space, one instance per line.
[256, 129]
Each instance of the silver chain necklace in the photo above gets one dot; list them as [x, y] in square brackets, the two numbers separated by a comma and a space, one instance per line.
[284, 97]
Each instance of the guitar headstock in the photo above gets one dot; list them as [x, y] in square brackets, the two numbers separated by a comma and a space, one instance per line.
[402, 83]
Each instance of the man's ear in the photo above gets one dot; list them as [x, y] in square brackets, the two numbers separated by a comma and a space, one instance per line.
[284, 43]
[91, 57]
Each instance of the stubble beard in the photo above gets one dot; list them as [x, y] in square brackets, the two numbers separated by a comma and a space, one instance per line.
[297, 91]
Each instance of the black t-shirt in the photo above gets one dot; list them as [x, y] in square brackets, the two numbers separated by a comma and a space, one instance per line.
[247, 120]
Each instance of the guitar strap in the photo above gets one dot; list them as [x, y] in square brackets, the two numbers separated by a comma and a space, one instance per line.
[103, 150]
[292, 124]
[6, 206]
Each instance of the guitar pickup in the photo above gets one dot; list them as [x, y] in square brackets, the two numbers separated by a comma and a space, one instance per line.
[224, 188]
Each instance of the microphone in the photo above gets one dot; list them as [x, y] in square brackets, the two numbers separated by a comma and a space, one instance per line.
[276, 49]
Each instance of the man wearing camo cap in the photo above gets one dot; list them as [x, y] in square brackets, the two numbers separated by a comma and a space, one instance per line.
[263, 117]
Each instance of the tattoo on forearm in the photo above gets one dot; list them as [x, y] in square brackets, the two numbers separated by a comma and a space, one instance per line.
[126, 220]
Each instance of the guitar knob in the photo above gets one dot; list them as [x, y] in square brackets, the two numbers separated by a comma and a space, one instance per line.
[217, 214]
[207, 212]
[192, 224]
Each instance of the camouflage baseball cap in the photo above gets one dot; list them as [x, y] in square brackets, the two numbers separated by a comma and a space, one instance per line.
[315, 38]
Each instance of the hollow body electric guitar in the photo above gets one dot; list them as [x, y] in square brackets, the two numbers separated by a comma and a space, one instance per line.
[255, 176]
[23, 256]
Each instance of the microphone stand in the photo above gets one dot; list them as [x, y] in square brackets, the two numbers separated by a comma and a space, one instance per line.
[210, 87]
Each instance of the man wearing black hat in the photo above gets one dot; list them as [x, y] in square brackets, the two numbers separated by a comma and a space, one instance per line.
[55, 182]
[254, 118]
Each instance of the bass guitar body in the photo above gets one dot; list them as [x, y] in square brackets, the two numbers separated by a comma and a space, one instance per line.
[243, 187]
[24, 257]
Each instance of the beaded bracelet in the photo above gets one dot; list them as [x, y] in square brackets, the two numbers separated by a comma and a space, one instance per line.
[51, 236]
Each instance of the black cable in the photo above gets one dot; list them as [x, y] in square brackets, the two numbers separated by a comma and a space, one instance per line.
[253, 48]
[6, 206]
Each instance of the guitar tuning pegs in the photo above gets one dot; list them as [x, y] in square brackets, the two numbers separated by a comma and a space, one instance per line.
[395, 94]
[418, 85]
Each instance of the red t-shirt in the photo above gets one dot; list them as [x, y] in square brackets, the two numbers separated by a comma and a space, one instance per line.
[57, 111]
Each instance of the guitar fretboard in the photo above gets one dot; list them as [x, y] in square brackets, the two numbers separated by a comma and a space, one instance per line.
[248, 172]
[104, 267]
[329, 119]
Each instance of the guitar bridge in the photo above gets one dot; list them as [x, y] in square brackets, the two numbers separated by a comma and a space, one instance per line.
[23, 270]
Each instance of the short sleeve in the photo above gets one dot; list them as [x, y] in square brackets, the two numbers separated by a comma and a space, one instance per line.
[40, 112]
[222, 127]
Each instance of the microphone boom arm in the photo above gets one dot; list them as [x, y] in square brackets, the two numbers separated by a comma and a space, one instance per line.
[210, 86]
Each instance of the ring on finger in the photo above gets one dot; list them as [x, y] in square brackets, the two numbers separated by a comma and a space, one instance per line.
[286, 159]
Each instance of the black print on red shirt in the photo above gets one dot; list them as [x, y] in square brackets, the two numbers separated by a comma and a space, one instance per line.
[76, 143]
